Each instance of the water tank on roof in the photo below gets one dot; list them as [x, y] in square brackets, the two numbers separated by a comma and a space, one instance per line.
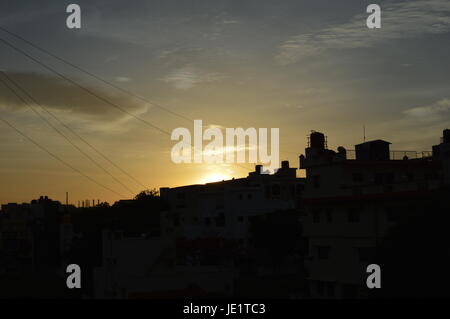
[317, 140]
[446, 136]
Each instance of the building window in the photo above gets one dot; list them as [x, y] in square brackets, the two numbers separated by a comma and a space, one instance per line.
[357, 177]
[220, 220]
[176, 220]
[378, 178]
[207, 221]
[240, 219]
[330, 289]
[220, 205]
[181, 195]
[353, 215]
[365, 254]
[275, 189]
[349, 291]
[300, 188]
[391, 215]
[390, 178]
[410, 177]
[240, 196]
[316, 181]
[321, 288]
[329, 216]
[316, 216]
[249, 196]
[323, 252]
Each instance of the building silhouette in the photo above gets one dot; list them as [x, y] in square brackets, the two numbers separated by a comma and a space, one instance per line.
[262, 236]
[350, 204]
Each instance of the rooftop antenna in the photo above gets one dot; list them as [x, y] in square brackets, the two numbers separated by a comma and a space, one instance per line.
[364, 132]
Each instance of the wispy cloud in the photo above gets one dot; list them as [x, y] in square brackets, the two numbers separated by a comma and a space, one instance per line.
[430, 113]
[401, 20]
[122, 79]
[188, 76]
[68, 99]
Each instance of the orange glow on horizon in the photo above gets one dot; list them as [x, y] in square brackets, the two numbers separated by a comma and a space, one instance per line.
[214, 177]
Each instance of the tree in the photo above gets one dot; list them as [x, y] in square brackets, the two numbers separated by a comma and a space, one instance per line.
[147, 194]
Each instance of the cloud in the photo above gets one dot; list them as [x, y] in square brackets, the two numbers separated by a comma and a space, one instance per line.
[293, 106]
[122, 79]
[430, 113]
[62, 96]
[401, 20]
[188, 77]
[232, 21]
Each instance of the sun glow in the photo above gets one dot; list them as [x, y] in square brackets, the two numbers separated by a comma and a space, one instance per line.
[214, 177]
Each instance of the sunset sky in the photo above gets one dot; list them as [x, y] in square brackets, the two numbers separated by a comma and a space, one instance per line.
[295, 65]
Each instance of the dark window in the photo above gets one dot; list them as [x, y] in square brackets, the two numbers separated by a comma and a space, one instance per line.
[316, 217]
[240, 196]
[220, 205]
[423, 186]
[391, 214]
[357, 177]
[329, 216]
[220, 220]
[316, 181]
[276, 189]
[390, 177]
[378, 178]
[320, 288]
[181, 195]
[349, 291]
[249, 196]
[176, 220]
[330, 289]
[323, 252]
[365, 254]
[410, 177]
[207, 221]
[240, 219]
[353, 215]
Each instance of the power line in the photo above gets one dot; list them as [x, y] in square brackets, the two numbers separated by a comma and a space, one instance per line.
[88, 90]
[101, 98]
[70, 129]
[92, 75]
[63, 135]
[95, 76]
[57, 157]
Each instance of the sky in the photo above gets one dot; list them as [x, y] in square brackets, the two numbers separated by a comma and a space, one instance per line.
[293, 65]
